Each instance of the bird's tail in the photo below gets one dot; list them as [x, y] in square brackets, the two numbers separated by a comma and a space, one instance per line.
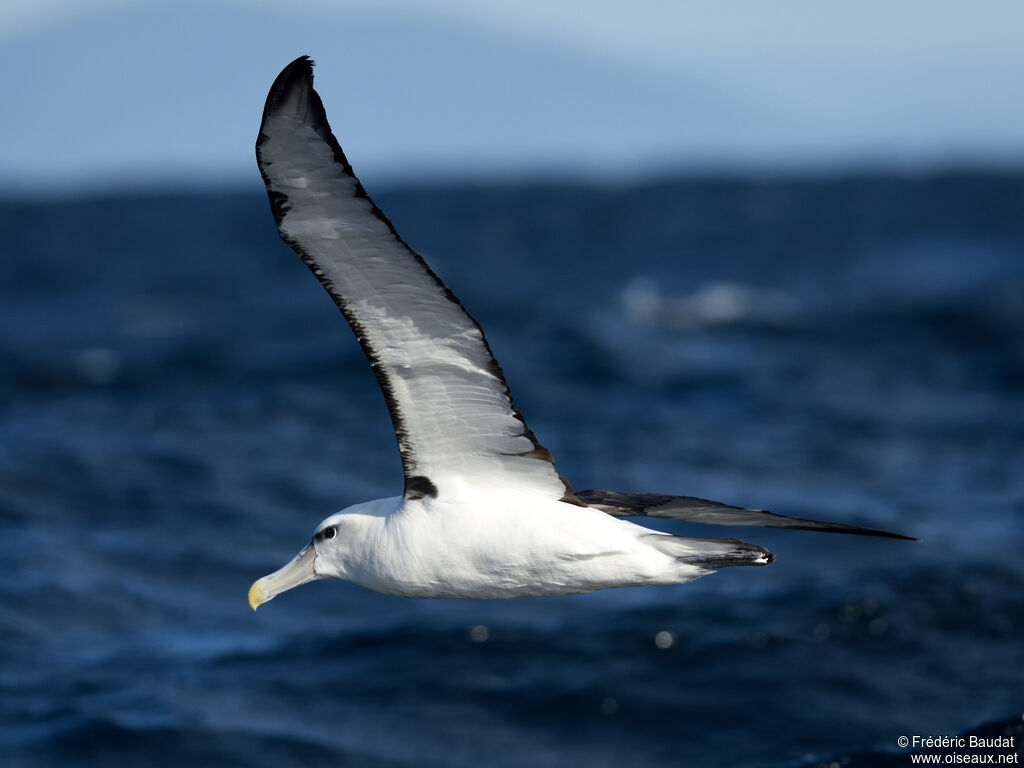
[709, 554]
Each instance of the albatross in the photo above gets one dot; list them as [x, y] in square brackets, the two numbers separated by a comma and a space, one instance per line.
[483, 512]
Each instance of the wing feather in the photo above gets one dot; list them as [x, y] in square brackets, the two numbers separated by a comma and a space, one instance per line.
[449, 402]
[694, 510]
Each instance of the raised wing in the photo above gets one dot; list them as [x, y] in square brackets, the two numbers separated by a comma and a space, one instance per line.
[696, 510]
[449, 402]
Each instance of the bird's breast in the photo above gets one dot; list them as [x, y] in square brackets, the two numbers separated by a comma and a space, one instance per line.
[499, 548]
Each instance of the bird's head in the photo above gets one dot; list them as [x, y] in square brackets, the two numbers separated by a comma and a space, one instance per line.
[319, 559]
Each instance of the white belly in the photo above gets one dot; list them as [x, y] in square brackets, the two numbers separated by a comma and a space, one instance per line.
[505, 546]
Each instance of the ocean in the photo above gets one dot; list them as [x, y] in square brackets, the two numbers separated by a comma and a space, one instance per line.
[181, 404]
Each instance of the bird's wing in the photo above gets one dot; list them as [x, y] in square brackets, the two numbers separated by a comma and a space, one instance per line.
[450, 405]
[696, 510]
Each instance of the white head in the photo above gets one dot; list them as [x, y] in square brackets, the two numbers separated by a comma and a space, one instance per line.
[326, 554]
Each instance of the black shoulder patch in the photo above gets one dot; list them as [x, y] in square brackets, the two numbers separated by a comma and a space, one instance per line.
[418, 486]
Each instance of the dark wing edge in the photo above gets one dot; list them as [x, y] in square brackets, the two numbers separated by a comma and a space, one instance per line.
[299, 75]
[694, 510]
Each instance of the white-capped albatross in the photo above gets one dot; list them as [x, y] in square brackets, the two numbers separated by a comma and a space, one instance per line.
[483, 513]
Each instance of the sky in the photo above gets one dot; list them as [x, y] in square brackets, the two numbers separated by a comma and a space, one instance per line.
[107, 92]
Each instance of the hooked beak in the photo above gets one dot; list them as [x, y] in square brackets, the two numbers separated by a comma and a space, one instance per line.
[301, 569]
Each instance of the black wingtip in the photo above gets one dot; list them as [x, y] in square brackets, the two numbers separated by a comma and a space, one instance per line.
[298, 74]
[855, 530]
[293, 92]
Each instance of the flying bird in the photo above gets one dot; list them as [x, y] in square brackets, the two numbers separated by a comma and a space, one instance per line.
[483, 512]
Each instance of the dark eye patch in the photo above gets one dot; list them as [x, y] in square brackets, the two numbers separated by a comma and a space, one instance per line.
[328, 533]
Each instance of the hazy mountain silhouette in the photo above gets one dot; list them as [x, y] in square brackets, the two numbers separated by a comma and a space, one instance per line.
[178, 89]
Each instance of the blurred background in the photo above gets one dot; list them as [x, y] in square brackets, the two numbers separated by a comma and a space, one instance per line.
[771, 255]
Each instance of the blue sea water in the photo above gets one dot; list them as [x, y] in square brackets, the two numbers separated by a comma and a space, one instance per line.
[180, 405]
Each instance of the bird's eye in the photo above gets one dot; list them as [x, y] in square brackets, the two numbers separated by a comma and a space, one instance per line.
[329, 532]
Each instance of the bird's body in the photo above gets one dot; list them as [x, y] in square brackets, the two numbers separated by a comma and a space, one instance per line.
[483, 513]
[502, 545]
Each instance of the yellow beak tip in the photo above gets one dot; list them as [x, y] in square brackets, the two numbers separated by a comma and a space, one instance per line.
[297, 571]
[255, 596]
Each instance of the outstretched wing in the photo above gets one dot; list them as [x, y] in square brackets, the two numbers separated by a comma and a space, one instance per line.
[449, 402]
[696, 510]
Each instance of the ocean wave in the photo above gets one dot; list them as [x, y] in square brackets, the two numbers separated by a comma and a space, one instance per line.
[712, 304]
